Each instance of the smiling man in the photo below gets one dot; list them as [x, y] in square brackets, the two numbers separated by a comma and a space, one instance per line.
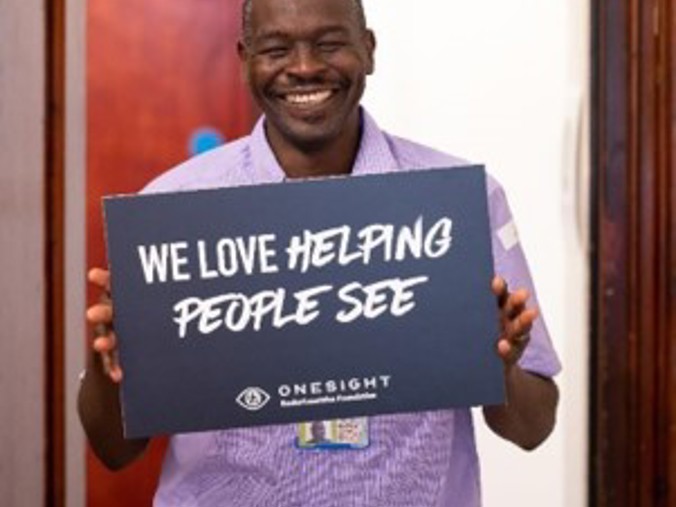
[306, 62]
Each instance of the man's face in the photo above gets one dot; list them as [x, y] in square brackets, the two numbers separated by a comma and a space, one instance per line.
[318, 431]
[306, 63]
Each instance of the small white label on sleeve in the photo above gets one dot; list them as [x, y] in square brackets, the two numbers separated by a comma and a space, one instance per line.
[508, 235]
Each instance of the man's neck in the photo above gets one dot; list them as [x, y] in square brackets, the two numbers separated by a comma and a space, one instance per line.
[331, 159]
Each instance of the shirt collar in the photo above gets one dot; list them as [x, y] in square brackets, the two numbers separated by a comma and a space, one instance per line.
[374, 155]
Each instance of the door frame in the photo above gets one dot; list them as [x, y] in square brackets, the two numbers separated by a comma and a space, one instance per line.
[634, 254]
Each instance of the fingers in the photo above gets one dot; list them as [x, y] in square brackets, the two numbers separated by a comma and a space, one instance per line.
[511, 303]
[101, 316]
[105, 343]
[522, 323]
[515, 339]
[100, 277]
[499, 287]
[516, 320]
[515, 304]
[100, 313]
[106, 347]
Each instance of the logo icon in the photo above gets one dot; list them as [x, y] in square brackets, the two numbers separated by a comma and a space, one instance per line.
[253, 399]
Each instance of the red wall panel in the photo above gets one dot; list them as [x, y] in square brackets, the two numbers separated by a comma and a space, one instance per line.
[157, 70]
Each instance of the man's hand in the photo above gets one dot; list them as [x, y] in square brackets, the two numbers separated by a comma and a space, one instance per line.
[529, 415]
[99, 396]
[101, 316]
[515, 321]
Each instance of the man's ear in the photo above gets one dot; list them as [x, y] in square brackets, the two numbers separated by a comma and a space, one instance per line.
[242, 51]
[370, 41]
[243, 54]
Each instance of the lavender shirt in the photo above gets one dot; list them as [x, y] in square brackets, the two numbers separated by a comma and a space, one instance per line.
[415, 460]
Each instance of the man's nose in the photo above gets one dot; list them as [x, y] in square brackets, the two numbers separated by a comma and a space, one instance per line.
[305, 63]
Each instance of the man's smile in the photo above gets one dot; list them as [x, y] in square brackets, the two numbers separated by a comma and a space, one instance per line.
[309, 98]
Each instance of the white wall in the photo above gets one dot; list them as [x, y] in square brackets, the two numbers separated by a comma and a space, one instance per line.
[22, 114]
[503, 83]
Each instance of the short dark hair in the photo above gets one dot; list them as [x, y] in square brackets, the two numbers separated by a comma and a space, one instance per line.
[247, 6]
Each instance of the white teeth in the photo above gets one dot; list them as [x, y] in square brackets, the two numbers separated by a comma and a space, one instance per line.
[308, 98]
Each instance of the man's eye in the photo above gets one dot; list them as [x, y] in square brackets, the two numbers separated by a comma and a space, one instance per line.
[330, 46]
[275, 52]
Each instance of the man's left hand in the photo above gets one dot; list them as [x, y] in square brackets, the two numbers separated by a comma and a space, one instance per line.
[515, 321]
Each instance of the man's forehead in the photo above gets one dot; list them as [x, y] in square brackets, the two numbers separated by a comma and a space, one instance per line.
[294, 14]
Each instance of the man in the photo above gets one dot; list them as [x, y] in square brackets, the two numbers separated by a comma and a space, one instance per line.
[317, 433]
[306, 62]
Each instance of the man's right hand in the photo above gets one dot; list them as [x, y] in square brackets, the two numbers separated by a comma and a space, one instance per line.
[101, 316]
[99, 395]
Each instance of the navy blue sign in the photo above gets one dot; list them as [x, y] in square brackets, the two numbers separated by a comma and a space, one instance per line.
[304, 300]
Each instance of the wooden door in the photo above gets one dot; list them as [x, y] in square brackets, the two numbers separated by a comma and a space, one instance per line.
[157, 72]
[633, 455]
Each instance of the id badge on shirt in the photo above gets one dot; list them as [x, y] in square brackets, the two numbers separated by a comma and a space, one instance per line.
[337, 434]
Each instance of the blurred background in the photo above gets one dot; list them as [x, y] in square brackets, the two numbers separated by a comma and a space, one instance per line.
[569, 103]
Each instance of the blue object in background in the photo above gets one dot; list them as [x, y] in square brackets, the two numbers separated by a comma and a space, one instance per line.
[205, 139]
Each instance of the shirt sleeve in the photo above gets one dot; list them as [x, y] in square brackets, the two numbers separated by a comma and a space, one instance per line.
[510, 263]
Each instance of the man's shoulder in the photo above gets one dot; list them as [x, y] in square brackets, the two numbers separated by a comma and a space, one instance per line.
[412, 155]
[226, 165]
